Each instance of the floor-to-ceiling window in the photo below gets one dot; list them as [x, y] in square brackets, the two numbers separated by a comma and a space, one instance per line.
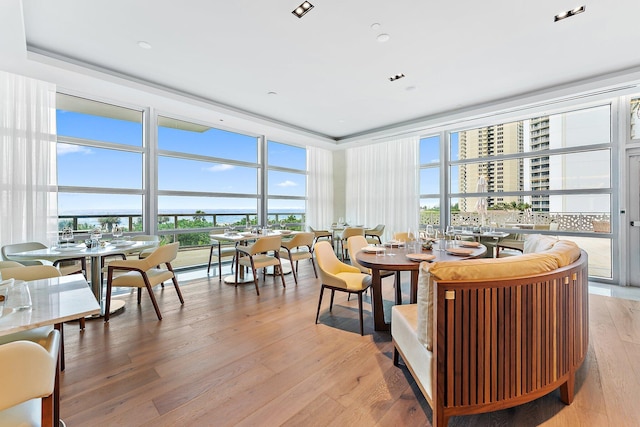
[207, 178]
[100, 165]
[286, 184]
[550, 173]
[430, 180]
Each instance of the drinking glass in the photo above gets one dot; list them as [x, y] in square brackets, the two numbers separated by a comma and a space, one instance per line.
[430, 232]
[117, 232]
[381, 251]
[450, 233]
[67, 235]
[440, 239]
[282, 224]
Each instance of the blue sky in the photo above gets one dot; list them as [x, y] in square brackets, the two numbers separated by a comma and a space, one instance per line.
[106, 168]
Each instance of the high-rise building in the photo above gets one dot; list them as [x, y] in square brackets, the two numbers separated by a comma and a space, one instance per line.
[500, 175]
[539, 167]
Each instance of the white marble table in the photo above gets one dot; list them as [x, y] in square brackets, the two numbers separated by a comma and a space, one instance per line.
[55, 301]
[96, 255]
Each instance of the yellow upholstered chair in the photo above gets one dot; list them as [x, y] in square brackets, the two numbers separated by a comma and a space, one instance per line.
[265, 252]
[344, 236]
[143, 273]
[222, 249]
[10, 264]
[66, 266]
[299, 247]
[28, 381]
[338, 276]
[374, 235]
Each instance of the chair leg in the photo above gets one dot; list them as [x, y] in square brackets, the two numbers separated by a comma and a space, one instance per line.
[360, 311]
[398, 288]
[153, 298]
[319, 303]
[210, 257]
[294, 270]
[107, 303]
[282, 274]
[255, 275]
[175, 282]
[396, 356]
[333, 292]
[314, 267]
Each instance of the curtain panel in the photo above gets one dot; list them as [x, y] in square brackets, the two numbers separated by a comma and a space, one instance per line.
[383, 185]
[28, 190]
[319, 188]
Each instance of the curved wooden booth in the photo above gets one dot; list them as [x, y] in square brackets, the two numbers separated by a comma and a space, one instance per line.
[499, 343]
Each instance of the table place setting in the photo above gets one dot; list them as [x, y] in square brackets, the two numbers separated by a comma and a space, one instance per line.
[459, 251]
[421, 257]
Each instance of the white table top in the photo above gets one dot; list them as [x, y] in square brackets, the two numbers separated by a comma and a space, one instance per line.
[241, 237]
[55, 300]
[80, 250]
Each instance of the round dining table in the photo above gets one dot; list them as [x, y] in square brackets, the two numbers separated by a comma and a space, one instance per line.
[399, 259]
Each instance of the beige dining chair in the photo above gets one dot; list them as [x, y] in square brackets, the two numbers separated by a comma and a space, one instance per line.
[28, 381]
[223, 249]
[374, 235]
[344, 236]
[338, 276]
[320, 234]
[66, 266]
[296, 249]
[143, 273]
[265, 252]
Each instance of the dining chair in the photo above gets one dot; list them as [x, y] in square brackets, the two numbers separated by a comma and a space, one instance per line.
[403, 236]
[299, 247]
[514, 243]
[374, 235]
[338, 276]
[344, 236]
[10, 264]
[28, 381]
[355, 244]
[265, 252]
[105, 260]
[143, 273]
[223, 249]
[28, 273]
[320, 234]
[66, 266]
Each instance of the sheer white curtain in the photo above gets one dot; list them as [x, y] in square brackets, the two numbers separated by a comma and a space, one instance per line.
[319, 187]
[383, 185]
[28, 192]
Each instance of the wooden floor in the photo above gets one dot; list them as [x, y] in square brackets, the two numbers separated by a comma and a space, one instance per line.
[231, 358]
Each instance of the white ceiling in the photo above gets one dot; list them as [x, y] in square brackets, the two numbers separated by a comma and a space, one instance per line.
[330, 73]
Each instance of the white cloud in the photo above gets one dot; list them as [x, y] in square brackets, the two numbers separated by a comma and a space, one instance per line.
[70, 149]
[219, 168]
[287, 184]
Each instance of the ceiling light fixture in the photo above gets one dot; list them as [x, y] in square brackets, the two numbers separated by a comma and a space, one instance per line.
[301, 10]
[396, 77]
[569, 13]
[144, 45]
[383, 37]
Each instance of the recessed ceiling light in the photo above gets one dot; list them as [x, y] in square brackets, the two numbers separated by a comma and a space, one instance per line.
[375, 26]
[301, 10]
[383, 37]
[396, 77]
[144, 45]
[272, 93]
[569, 13]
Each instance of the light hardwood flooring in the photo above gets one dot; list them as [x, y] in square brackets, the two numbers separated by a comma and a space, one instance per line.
[231, 358]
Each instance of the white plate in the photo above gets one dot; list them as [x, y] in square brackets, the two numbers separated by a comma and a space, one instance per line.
[459, 252]
[121, 243]
[373, 249]
[421, 257]
[247, 233]
[470, 244]
[284, 232]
